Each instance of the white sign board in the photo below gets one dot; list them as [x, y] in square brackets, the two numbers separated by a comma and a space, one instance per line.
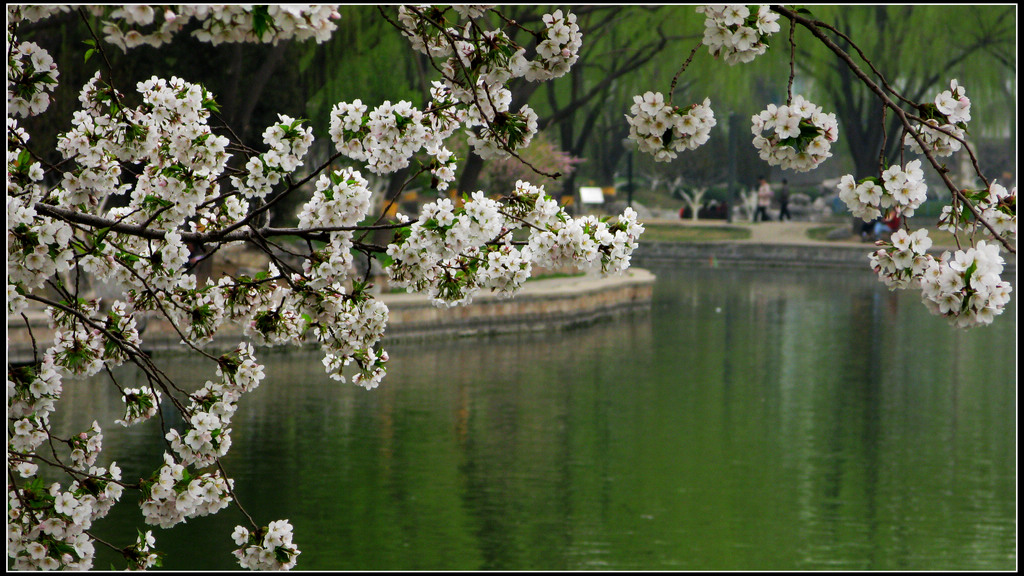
[591, 195]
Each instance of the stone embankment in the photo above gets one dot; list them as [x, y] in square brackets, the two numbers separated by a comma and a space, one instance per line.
[774, 244]
[541, 305]
[545, 304]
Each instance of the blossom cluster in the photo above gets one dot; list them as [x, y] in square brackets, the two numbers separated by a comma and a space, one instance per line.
[288, 142]
[341, 198]
[662, 130]
[945, 122]
[168, 135]
[588, 243]
[32, 393]
[737, 33]
[173, 495]
[123, 27]
[23, 175]
[120, 322]
[797, 136]
[557, 52]
[141, 404]
[322, 302]
[386, 138]
[269, 548]
[85, 447]
[31, 76]
[472, 11]
[903, 259]
[78, 349]
[142, 555]
[47, 526]
[965, 287]
[472, 95]
[497, 59]
[208, 436]
[349, 326]
[37, 246]
[902, 188]
[452, 253]
[995, 205]
[17, 13]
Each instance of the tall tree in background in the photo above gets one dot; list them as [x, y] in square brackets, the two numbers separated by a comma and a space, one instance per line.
[913, 48]
[618, 41]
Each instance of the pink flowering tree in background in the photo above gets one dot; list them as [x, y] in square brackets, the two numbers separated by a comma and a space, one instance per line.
[145, 171]
[543, 155]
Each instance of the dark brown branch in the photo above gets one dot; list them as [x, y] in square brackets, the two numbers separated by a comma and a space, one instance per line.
[813, 27]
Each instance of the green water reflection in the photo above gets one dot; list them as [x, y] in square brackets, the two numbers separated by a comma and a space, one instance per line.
[751, 420]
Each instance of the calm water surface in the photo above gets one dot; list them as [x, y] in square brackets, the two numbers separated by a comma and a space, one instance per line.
[753, 420]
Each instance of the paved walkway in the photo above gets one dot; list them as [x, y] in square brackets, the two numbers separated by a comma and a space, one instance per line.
[772, 232]
[788, 233]
[775, 234]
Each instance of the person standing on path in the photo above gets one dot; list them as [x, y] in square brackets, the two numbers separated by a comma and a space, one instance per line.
[784, 202]
[764, 199]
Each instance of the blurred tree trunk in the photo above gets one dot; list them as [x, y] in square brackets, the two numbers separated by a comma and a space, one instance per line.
[246, 88]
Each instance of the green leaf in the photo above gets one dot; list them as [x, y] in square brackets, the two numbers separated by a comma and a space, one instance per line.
[100, 234]
[89, 53]
[970, 272]
[261, 21]
[24, 159]
[211, 105]
[63, 548]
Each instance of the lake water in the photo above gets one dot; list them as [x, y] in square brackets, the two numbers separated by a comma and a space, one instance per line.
[752, 420]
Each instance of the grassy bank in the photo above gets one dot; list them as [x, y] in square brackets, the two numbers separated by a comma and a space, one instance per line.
[684, 233]
[940, 238]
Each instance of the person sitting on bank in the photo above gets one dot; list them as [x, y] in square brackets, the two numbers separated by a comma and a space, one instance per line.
[885, 227]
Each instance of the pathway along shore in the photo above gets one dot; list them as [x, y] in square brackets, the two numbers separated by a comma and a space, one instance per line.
[773, 244]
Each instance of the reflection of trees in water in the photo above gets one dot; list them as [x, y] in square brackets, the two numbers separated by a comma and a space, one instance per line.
[793, 417]
[852, 379]
[516, 411]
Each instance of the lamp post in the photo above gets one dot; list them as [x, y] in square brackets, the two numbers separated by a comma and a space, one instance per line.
[734, 134]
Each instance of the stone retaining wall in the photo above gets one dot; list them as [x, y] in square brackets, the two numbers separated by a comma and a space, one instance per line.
[738, 253]
[550, 304]
[771, 255]
[541, 305]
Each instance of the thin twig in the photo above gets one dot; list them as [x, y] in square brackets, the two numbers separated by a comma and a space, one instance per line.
[675, 79]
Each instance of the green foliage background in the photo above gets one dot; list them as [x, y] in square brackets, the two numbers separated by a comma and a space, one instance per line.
[628, 50]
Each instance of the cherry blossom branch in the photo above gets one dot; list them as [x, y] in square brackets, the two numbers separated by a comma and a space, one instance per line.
[813, 27]
[686, 63]
[99, 222]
